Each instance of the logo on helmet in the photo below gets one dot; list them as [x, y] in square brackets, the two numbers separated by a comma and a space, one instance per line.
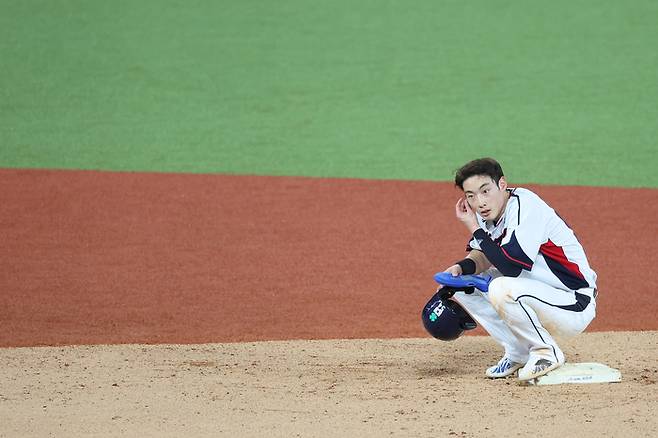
[438, 310]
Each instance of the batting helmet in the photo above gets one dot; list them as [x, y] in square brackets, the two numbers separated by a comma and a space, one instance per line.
[445, 319]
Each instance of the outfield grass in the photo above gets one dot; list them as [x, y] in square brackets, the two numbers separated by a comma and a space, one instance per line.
[561, 92]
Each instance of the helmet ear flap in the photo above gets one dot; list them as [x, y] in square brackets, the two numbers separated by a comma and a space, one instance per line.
[445, 319]
[466, 322]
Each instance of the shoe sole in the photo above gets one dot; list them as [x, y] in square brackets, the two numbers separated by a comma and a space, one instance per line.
[511, 371]
[540, 373]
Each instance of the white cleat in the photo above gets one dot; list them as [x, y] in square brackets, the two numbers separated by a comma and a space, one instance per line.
[505, 367]
[537, 368]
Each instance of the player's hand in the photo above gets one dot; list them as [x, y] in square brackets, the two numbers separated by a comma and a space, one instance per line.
[466, 215]
[454, 270]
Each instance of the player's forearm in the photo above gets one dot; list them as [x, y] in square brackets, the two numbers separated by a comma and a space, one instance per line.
[506, 264]
[481, 261]
[476, 263]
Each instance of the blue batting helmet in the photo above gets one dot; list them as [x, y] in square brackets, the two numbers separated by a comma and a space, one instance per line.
[445, 319]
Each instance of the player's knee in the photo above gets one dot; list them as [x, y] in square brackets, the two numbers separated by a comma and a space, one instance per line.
[499, 292]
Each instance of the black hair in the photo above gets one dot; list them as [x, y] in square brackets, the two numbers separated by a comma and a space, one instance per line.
[481, 166]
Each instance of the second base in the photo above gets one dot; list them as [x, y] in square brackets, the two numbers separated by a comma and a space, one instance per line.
[579, 373]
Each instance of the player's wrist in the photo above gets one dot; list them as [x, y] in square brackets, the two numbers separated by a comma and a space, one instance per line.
[467, 266]
[473, 226]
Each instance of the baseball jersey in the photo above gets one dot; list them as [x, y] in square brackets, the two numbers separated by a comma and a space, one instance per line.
[531, 241]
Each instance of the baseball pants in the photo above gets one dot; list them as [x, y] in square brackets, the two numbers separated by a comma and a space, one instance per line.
[524, 316]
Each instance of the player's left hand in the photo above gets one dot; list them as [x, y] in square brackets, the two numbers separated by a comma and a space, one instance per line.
[466, 215]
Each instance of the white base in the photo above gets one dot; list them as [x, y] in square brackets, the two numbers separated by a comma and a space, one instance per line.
[579, 373]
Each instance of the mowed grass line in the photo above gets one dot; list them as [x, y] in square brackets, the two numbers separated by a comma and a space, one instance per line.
[561, 92]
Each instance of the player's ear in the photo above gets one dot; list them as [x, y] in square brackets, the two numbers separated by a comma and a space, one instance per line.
[502, 183]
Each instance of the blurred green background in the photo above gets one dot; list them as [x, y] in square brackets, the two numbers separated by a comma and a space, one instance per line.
[561, 92]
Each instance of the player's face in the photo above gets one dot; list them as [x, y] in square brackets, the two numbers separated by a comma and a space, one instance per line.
[486, 197]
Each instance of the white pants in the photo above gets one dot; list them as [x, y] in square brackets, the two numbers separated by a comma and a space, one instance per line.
[525, 315]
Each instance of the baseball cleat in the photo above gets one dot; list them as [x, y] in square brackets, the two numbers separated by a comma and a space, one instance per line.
[505, 367]
[537, 368]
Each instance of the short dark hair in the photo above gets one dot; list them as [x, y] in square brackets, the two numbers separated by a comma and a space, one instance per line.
[481, 166]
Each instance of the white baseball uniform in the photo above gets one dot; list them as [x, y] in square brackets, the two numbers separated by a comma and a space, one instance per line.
[543, 285]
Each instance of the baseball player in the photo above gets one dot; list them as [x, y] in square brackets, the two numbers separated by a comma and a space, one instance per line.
[543, 286]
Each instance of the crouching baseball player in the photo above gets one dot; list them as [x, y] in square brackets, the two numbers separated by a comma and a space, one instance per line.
[542, 287]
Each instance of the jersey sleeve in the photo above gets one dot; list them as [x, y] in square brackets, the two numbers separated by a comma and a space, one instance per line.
[517, 251]
[525, 233]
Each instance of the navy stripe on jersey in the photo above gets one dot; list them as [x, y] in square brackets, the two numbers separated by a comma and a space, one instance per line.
[565, 270]
[509, 259]
[514, 252]
[518, 201]
[497, 240]
[582, 301]
[500, 238]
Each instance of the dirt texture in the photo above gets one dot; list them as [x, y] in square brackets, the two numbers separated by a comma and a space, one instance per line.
[366, 388]
[102, 258]
[202, 260]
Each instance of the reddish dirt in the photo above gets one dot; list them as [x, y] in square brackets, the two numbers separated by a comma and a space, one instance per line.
[93, 257]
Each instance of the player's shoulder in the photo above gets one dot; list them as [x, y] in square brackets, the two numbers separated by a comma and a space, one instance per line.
[521, 193]
[523, 197]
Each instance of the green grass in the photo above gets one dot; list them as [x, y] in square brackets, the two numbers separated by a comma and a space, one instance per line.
[561, 92]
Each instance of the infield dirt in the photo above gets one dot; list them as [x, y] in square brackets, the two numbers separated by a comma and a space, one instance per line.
[398, 387]
[104, 258]
[122, 258]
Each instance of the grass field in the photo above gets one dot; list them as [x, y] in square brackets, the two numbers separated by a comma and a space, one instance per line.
[561, 92]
